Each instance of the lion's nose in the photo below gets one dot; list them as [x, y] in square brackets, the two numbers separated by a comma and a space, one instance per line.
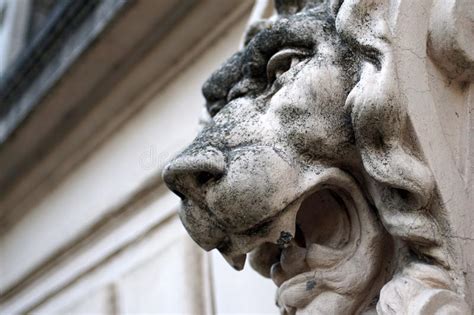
[192, 170]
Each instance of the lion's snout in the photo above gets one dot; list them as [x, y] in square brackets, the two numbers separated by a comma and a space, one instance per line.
[189, 176]
[227, 196]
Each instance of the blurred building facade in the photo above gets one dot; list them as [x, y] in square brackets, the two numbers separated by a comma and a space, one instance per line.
[95, 97]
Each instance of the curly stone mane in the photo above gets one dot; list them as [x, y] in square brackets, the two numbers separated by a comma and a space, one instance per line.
[399, 183]
[309, 164]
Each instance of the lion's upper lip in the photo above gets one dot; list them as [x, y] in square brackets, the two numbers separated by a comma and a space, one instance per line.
[278, 230]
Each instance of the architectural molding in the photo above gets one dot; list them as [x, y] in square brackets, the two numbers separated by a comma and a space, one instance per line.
[88, 268]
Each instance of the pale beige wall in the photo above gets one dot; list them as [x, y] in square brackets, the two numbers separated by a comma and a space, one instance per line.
[142, 261]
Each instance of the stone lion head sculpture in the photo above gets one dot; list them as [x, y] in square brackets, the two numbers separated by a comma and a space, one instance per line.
[308, 165]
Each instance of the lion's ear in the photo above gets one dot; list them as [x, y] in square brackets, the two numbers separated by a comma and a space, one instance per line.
[400, 183]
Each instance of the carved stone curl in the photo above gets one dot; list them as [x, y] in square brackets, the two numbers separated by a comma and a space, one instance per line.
[308, 163]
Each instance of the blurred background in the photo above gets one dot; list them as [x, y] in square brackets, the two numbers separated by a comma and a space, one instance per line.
[95, 97]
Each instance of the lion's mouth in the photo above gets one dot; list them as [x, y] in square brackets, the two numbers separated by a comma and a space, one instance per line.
[317, 243]
[322, 231]
[325, 241]
[322, 228]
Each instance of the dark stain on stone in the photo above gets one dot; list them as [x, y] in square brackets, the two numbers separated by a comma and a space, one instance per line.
[284, 239]
[310, 285]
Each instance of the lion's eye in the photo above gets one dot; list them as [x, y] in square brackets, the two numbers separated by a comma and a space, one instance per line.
[282, 61]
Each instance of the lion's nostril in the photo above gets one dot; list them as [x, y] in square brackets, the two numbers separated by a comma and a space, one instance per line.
[204, 177]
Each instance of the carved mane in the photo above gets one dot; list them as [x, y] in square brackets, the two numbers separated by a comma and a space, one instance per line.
[399, 182]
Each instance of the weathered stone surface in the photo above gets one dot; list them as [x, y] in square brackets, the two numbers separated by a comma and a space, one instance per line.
[308, 162]
[451, 37]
